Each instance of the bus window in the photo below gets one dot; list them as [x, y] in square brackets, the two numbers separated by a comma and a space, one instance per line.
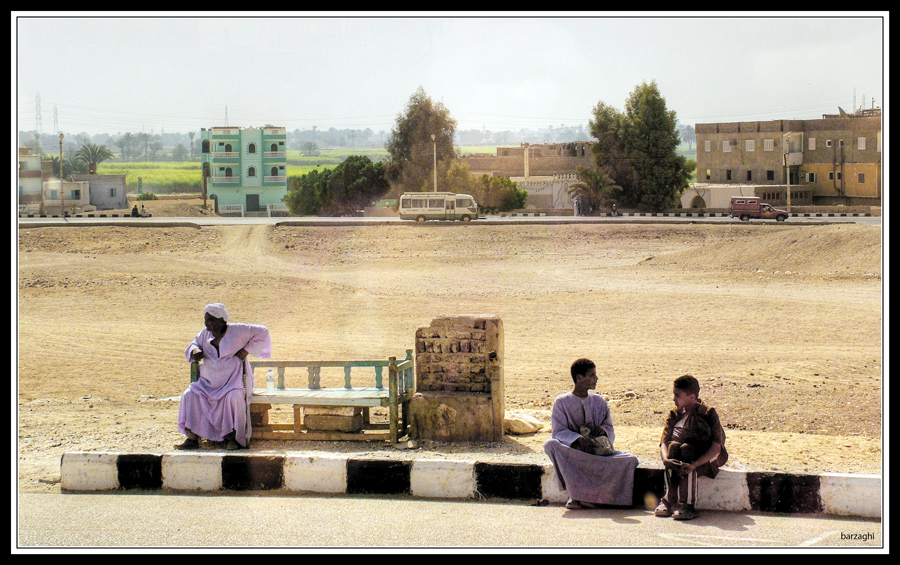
[418, 202]
[435, 202]
[464, 203]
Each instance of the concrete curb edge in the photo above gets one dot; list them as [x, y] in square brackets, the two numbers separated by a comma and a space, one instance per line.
[732, 490]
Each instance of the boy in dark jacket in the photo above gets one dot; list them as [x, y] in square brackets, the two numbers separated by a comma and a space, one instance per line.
[692, 444]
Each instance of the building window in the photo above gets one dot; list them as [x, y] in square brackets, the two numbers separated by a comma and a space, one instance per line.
[861, 178]
[768, 144]
[54, 195]
[811, 177]
[707, 145]
[76, 194]
[274, 171]
[832, 175]
[750, 145]
[861, 143]
[840, 143]
[827, 143]
[770, 175]
[274, 148]
[228, 172]
[707, 174]
[728, 174]
[112, 192]
[252, 148]
[812, 143]
[749, 176]
[251, 172]
[726, 146]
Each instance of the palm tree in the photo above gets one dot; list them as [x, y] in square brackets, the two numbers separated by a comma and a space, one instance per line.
[191, 135]
[93, 155]
[596, 186]
[311, 148]
[35, 144]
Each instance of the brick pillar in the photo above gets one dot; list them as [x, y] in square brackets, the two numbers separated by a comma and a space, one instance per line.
[459, 380]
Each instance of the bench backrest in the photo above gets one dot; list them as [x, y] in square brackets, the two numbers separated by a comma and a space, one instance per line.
[399, 372]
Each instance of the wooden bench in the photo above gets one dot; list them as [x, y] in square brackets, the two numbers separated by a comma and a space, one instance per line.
[395, 396]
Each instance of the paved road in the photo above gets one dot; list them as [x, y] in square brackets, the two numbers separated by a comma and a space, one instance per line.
[490, 220]
[292, 521]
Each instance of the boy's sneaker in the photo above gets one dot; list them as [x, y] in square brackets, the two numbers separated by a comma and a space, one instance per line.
[664, 509]
[685, 512]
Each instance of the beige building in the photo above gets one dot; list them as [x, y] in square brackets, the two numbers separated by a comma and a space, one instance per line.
[836, 158]
[545, 171]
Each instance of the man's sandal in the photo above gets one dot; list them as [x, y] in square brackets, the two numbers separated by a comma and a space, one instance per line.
[579, 505]
[189, 444]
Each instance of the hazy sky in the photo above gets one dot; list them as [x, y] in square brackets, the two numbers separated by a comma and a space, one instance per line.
[113, 72]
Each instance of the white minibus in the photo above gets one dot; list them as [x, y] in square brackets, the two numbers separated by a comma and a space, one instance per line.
[422, 206]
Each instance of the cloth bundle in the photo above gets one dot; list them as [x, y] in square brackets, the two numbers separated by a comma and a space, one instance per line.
[599, 445]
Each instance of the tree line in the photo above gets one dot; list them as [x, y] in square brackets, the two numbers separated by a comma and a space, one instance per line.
[635, 160]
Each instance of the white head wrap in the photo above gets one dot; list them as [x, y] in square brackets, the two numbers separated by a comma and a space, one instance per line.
[216, 309]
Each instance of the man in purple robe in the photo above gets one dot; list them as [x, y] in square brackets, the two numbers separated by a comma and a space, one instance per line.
[217, 405]
[577, 417]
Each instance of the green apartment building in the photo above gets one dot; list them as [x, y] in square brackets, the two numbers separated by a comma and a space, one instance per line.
[245, 168]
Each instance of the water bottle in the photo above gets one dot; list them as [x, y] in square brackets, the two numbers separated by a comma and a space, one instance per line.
[270, 381]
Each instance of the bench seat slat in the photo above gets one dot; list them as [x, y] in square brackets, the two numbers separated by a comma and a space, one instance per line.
[364, 396]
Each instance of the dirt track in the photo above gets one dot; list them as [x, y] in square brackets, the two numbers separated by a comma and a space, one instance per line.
[782, 325]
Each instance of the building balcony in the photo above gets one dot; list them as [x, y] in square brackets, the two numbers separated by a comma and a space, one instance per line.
[281, 180]
[225, 180]
[222, 155]
[275, 154]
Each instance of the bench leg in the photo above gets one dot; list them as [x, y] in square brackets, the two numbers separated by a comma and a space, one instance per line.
[259, 415]
[298, 418]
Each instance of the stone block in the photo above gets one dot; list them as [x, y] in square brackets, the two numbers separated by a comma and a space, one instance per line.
[331, 423]
[451, 416]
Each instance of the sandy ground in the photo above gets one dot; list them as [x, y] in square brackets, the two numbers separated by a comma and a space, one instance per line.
[782, 325]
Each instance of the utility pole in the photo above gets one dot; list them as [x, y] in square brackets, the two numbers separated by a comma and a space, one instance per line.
[435, 161]
[787, 166]
[62, 188]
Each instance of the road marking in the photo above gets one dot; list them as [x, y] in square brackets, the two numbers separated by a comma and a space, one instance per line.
[818, 539]
[697, 539]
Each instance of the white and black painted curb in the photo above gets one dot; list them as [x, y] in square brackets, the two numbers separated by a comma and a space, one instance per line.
[737, 491]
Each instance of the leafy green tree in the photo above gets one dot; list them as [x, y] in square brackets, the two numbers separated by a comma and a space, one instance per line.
[126, 143]
[637, 150]
[596, 186]
[93, 155]
[180, 152]
[303, 197]
[456, 177]
[688, 135]
[355, 183]
[411, 148]
[498, 194]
